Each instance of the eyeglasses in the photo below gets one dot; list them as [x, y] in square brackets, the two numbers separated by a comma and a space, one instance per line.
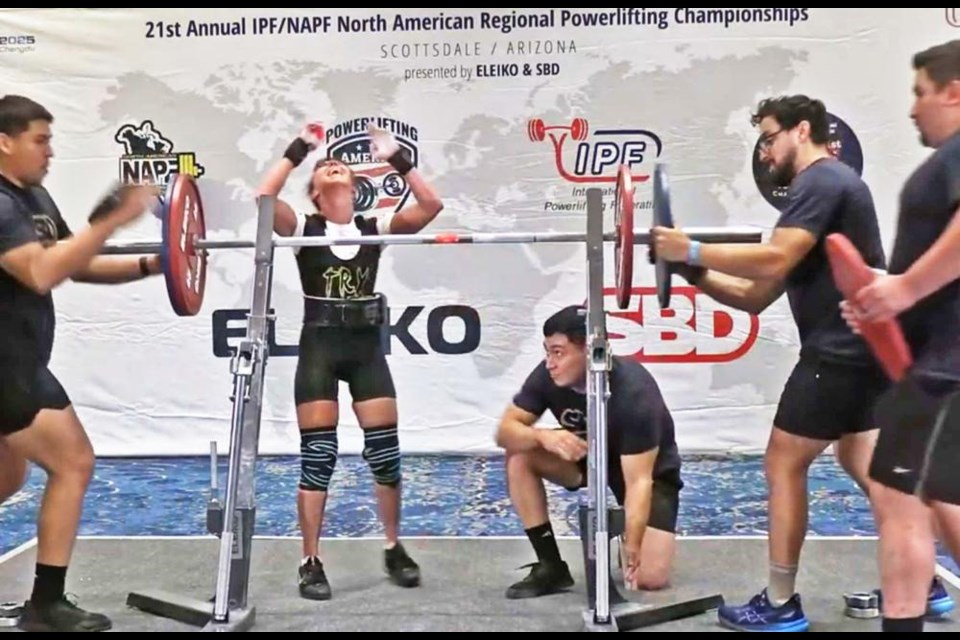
[766, 141]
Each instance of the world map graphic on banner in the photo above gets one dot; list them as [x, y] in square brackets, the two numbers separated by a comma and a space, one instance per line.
[504, 136]
[512, 114]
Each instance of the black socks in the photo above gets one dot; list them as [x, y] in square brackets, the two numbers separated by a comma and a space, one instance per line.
[48, 584]
[902, 625]
[544, 544]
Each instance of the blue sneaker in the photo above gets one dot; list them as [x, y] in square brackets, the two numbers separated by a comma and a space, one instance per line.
[761, 615]
[939, 602]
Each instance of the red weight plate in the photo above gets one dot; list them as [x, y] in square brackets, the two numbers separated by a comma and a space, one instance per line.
[623, 246]
[184, 268]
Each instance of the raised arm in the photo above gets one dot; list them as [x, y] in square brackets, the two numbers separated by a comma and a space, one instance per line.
[284, 218]
[414, 218]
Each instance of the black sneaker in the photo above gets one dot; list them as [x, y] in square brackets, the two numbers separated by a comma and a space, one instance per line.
[400, 567]
[543, 579]
[61, 616]
[313, 581]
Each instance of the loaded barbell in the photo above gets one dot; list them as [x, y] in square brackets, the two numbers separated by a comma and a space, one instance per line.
[183, 247]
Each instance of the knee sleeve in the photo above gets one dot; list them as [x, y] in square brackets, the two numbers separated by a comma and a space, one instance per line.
[382, 452]
[318, 457]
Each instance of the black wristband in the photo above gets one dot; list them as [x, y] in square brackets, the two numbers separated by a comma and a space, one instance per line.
[297, 152]
[144, 267]
[108, 204]
[400, 161]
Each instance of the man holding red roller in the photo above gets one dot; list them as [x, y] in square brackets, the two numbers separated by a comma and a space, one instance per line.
[830, 395]
[915, 472]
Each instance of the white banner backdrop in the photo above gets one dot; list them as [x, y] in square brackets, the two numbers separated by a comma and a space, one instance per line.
[488, 99]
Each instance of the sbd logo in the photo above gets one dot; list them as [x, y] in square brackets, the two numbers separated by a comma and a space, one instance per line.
[695, 330]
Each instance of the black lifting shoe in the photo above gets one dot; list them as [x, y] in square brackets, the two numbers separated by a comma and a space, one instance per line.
[313, 581]
[400, 567]
[61, 616]
[543, 579]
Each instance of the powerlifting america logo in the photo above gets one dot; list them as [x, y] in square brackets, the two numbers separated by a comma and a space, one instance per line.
[150, 158]
[378, 185]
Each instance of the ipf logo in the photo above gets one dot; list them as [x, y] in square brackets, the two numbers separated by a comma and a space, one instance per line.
[378, 185]
[953, 17]
[594, 156]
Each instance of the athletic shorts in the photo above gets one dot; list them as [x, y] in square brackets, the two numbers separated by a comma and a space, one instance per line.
[825, 400]
[26, 392]
[664, 503]
[918, 449]
[329, 355]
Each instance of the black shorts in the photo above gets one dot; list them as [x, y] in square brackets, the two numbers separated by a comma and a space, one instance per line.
[664, 503]
[918, 449]
[328, 355]
[825, 400]
[25, 393]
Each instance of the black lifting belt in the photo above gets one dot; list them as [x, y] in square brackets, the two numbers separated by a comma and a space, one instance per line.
[357, 312]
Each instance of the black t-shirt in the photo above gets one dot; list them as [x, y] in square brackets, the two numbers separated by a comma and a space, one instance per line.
[27, 319]
[638, 420]
[829, 197]
[928, 202]
[323, 274]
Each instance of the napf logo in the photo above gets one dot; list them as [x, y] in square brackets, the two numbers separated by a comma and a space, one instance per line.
[953, 17]
[593, 157]
[149, 156]
[378, 185]
[694, 330]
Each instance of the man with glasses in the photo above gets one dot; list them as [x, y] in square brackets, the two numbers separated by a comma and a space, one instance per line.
[830, 394]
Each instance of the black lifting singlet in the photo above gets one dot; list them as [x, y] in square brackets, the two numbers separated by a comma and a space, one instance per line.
[324, 275]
